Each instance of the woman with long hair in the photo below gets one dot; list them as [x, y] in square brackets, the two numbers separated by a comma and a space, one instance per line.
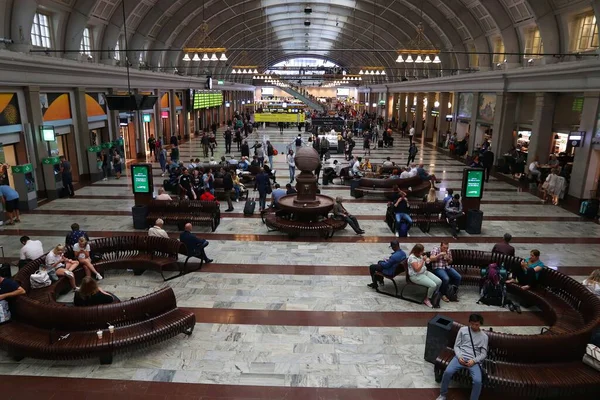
[58, 265]
[82, 253]
[431, 195]
[89, 294]
[419, 275]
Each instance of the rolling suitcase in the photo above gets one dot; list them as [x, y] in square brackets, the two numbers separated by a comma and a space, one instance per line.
[250, 206]
[589, 208]
[4, 267]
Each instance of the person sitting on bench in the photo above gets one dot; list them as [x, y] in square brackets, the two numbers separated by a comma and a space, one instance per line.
[194, 244]
[470, 349]
[425, 175]
[10, 288]
[340, 212]
[387, 266]
[529, 272]
[31, 250]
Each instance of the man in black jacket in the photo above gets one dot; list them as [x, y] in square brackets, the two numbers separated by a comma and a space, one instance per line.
[228, 188]
[228, 136]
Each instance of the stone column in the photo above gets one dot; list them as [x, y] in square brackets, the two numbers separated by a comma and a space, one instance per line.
[541, 130]
[473, 130]
[443, 125]
[81, 121]
[419, 114]
[185, 112]
[409, 115]
[587, 160]
[504, 123]
[401, 109]
[389, 105]
[173, 113]
[39, 149]
[158, 119]
[429, 119]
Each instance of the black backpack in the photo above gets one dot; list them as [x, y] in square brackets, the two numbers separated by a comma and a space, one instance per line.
[298, 142]
[493, 294]
[452, 293]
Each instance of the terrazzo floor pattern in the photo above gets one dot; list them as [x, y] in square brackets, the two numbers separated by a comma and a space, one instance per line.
[280, 355]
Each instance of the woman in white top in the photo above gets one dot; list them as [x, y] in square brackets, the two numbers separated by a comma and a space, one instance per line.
[82, 252]
[292, 164]
[419, 275]
[58, 265]
[592, 282]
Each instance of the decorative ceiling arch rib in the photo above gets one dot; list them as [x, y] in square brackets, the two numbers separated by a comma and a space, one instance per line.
[548, 25]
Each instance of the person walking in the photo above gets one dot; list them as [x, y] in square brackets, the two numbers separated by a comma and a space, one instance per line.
[262, 183]
[270, 153]
[228, 137]
[67, 176]
[152, 145]
[162, 160]
[412, 153]
[291, 164]
[227, 188]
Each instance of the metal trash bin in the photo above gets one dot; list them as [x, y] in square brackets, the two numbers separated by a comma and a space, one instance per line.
[474, 222]
[438, 333]
[139, 216]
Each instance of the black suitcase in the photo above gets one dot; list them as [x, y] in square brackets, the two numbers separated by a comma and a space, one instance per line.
[249, 207]
[4, 267]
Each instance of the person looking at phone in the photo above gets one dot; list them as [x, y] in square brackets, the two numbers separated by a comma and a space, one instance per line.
[470, 349]
[58, 265]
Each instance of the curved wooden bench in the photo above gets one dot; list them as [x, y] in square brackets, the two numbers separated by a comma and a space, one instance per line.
[423, 215]
[547, 365]
[42, 328]
[180, 212]
[325, 228]
[385, 186]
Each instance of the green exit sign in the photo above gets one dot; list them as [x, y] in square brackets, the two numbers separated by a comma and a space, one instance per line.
[220, 82]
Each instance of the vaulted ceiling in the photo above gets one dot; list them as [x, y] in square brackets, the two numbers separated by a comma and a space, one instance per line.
[351, 33]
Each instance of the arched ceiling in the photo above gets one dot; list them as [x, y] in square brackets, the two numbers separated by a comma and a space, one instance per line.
[352, 33]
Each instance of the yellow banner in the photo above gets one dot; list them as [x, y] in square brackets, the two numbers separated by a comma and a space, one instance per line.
[279, 117]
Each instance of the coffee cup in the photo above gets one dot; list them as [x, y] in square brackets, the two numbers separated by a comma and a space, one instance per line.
[99, 333]
[111, 328]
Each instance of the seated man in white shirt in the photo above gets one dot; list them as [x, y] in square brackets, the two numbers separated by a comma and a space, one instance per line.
[387, 163]
[405, 173]
[157, 230]
[162, 195]
[31, 250]
[233, 161]
[356, 171]
[413, 170]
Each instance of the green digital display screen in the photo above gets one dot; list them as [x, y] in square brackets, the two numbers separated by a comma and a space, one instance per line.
[141, 180]
[474, 183]
[207, 99]
[147, 118]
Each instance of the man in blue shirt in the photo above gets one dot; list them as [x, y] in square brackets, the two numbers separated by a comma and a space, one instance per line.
[276, 195]
[75, 234]
[387, 266]
[424, 175]
[195, 245]
[10, 199]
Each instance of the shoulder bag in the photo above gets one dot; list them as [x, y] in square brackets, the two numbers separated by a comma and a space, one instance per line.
[39, 279]
[484, 376]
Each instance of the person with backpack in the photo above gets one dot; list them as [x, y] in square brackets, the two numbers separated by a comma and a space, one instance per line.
[492, 287]
[470, 349]
[270, 153]
[324, 147]
[298, 142]
[412, 153]
[529, 272]
[441, 261]
[453, 212]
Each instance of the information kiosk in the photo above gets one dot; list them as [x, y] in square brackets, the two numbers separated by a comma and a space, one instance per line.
[52, 177]
[24, 180]
[143, 193]
[472, 192]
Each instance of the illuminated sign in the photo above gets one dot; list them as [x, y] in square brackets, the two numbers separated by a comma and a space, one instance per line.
[473, 183]
[48, 133]
[141, 180]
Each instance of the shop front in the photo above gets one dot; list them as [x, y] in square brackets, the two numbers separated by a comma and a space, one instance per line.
[12, 145]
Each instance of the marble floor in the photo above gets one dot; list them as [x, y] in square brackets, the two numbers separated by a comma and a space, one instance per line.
[324, 327]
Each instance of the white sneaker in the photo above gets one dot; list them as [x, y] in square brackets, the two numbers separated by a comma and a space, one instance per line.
[397, 234]
[407, 234]
[99, 277]
[440, 397]
[69, 274]
[105, 179]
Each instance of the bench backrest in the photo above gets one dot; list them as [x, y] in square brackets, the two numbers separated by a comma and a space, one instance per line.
[65, 318]
[476, 258]
[389, 183]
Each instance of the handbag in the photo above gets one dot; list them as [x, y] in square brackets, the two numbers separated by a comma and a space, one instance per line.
[39, 279]
[592, 356]
[484, 376]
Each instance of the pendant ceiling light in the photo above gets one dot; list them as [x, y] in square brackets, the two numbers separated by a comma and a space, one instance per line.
[400, 59]
[223, 57]
[196, 58]
[214, 57]
[409, 59]
[419, 60]
[205, 57]
[186, 57]
[437, 60]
